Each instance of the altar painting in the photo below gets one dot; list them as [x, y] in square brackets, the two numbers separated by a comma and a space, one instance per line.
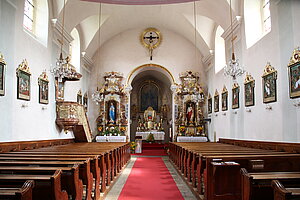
[149, 96]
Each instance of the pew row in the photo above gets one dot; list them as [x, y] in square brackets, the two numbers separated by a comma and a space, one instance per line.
[17, 191]
[285, 193]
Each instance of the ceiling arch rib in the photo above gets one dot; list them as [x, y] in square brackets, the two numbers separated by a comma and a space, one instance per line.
[140, 2]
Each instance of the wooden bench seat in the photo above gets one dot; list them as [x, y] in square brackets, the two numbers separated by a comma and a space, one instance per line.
[17, 191]
[285, 193]
[47, 187]
[70, 176]
[258, 185]
[84, 170]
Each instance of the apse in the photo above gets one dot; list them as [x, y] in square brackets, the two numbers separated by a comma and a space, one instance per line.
[151, 90]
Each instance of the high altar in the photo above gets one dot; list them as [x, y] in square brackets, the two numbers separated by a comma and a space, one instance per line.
[150, 125]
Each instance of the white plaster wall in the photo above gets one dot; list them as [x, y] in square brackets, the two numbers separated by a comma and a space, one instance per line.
[124, 53]
[282, 122]
[37, 121]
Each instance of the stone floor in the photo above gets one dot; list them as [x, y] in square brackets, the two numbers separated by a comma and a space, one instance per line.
[116, 189]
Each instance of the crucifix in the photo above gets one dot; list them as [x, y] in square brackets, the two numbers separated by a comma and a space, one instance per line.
[151, 38]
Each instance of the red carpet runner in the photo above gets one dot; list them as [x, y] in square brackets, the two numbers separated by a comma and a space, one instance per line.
[150, 179]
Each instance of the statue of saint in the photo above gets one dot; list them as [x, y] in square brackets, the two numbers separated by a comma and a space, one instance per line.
[190, 114]
[112, 113]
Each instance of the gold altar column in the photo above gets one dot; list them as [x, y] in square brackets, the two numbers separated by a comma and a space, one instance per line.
[128, 90]
[173, 89]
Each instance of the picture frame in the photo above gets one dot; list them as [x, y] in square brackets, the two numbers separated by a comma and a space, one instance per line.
[269, 84]
[43, 88]
[59, 90]
[224, 99]
[294, 74]
[235, 96]
[79, 97]
[23, 81]
[216, 101]
[85, 101]
[249, 85]
[2, 75]
[209, 104]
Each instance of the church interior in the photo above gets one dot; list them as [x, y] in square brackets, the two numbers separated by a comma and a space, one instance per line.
[150, 99]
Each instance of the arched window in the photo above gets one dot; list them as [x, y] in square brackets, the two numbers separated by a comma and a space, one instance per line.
[35, 21]
[29, 15]
[257, 20]
[220, 60]
[266, 14]
[75, 49]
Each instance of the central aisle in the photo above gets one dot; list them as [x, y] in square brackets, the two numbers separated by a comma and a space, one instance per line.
[150, 179]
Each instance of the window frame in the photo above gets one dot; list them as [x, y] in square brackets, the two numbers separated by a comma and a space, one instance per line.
[32, 4]
[266, 19]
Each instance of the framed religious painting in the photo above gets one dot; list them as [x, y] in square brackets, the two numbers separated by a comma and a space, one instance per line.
[224, 99]
[216, 101]
[85, 101]
[269, 84]
[2, 75]
[79, 97]
[294, 74]
[235, 96]
[43, 88]
[209, 104]
[23, 81]
[59, 90]
[249, 85]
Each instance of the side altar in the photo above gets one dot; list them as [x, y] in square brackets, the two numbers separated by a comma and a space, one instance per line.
[112, 119]
[189, 102]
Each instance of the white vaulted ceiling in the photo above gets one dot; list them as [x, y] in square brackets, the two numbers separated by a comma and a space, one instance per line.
[116, 19]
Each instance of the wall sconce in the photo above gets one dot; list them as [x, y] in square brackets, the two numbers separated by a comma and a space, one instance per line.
[248, 110]
[296, 103]
[24, 105]
[216, 115]
[269, 107]
[44, 108]
[234, 112]
[224, 113]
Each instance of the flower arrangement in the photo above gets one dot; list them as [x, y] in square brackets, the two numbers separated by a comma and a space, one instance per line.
[132, 147]
[122, 130]
[150, 138]
[182, 130]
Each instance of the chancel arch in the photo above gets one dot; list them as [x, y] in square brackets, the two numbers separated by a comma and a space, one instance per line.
[150, 90]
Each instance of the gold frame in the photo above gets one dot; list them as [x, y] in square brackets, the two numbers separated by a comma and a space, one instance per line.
[23, 69]
[42, 81]
[269, 71]
[216, 101]
[209, 104]
[236, 88]
[3, 66]
[224, 97]
[140, 91]
[249, 80]
[294, 62]
[157, 32]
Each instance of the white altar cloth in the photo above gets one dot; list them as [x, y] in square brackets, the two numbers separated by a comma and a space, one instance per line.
[110, 138]
[158, 135]
[191, 139]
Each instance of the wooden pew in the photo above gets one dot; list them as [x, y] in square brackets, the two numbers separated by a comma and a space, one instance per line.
[283, 193]
[47, 187]
[17, 191]
[84, 169]
[258, 185]
[70, 176]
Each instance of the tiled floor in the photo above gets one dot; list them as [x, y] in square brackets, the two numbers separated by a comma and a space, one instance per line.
[116, 189]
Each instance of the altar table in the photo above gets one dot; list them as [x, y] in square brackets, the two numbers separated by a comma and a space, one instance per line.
[158, 135]
[191, 139]
[110, 138]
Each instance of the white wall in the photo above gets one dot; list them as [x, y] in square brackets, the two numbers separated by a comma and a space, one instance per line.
[124, 53]
[32, 122]
[282, 123]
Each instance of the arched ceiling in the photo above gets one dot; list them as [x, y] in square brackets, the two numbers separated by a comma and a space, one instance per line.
[179, 18]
